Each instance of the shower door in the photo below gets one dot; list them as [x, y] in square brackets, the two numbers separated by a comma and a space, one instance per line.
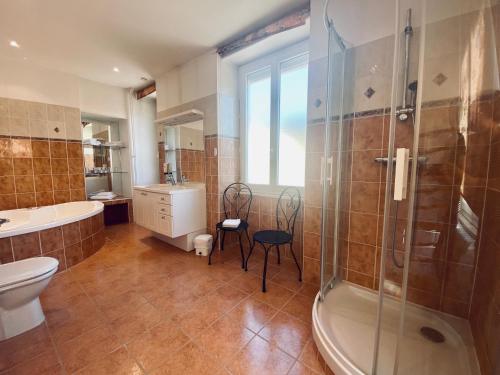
[332, 222]
[432, 240]
[449, 223]
[428, 257]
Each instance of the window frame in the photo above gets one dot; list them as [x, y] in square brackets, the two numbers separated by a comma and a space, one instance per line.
[273, 61]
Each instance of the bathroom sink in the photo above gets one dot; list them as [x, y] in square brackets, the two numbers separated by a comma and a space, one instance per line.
[159, 186]
[170, 188]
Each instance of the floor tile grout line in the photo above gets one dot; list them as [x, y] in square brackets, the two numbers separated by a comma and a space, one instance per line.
[78, 336]
[56, 349]
[220, 284]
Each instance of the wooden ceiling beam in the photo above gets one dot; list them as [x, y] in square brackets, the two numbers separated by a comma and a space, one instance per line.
[290, 21]
[145, 91]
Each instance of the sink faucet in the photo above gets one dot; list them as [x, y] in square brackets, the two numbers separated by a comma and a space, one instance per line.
[170, 178]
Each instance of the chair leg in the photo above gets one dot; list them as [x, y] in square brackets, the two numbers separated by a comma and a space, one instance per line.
[241, 250]
[279, 257]
[213, 247]
[248, 238]
[223, 239]
[264, 274]
[248, 257]
[295, 259]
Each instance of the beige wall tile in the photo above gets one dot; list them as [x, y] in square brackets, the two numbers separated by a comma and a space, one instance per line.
[55, 112]
[19, 126]
[39, 128]
[18, 108]
[57, 130]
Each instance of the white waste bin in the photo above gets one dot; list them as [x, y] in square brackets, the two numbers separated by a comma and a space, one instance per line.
[203, 244]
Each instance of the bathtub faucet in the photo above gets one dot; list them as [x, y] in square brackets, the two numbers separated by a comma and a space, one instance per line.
[3, 221]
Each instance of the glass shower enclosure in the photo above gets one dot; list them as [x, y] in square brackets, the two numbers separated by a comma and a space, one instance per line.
[409, 267]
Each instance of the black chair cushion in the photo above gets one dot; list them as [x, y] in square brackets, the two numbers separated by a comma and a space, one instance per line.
[243, 225]
[273, 237]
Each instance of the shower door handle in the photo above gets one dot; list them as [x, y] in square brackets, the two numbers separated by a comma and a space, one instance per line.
[401, 173]
[321, 170]
[330, 162]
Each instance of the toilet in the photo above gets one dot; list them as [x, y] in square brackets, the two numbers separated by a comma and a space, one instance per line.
[21, 283]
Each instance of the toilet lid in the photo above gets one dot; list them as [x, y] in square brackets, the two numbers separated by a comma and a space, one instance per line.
[26, 269]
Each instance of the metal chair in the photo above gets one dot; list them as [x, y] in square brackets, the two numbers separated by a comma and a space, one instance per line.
[287, 209]
[237, 199]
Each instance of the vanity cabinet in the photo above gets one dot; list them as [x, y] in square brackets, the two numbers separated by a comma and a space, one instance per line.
[144, 204]
[173, 213]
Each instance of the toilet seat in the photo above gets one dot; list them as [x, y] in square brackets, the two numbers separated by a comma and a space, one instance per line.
[22, 271]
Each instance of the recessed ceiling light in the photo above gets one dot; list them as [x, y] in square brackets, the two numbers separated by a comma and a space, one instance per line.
[14, 44]
[116, 70]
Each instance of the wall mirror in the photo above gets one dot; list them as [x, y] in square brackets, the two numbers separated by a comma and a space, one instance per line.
[102, 148]
[182, 152]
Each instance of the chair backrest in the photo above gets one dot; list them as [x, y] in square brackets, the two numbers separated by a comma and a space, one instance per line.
[287, 209]
[237, 200]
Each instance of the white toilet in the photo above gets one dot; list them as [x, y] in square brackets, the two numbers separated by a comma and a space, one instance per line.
[21, 283]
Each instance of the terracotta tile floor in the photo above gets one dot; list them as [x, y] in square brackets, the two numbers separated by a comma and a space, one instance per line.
[140, 306]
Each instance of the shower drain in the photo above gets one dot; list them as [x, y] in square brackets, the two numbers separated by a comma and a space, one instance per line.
[432, 334]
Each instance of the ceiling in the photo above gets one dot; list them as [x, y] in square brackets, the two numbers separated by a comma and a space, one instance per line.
[143, 38]
[362, 21]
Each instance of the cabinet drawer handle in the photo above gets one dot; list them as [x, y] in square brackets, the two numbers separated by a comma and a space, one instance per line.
[163, 217]
[143, 194]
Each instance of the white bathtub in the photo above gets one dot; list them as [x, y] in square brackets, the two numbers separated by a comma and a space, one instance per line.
[26, 220]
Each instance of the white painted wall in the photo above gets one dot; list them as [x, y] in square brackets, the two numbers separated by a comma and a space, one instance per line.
[125, 158]
[191, 136]
[27, 81]
[193, 80]
[101, 99]
[20, 80]
[144, 138]
[227, 107]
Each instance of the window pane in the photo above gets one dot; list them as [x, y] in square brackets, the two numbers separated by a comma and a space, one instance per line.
[292, 123]
[258, 126]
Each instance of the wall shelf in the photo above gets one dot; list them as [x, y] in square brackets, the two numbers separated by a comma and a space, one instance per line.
[181, 118]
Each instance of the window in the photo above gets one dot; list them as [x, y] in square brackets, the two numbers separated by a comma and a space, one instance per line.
[274, 118]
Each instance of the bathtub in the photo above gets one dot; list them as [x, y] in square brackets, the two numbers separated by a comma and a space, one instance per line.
[69, 232]
[26, 220]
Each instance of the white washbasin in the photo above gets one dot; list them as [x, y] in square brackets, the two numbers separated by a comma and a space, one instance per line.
[171, 188]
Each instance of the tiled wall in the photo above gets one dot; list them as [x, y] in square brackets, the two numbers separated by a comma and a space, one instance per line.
[212, 182]
[161, 161]
[36, 172]
[38, 165]
[30, 119]
[450, 191]
[191, 163]
[485, 307]
[70, 243]
[222, 168]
